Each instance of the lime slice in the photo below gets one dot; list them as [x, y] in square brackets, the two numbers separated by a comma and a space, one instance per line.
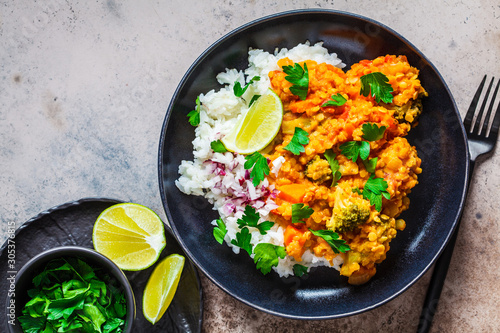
[161, 287]
[131, 235]
[258, 127]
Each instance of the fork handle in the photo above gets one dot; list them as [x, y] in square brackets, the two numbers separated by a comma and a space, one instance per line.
[439, 275]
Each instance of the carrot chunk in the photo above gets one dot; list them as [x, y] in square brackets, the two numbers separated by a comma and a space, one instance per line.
[293, 193]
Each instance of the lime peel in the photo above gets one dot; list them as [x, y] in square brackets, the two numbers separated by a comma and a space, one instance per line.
[257, 127]
[117, 225]
[161, 287]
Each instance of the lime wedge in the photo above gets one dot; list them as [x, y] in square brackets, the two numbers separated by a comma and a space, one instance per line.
[129, 234]
[258, 127]
[161, 287]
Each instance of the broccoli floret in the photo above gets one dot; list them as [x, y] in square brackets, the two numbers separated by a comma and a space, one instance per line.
[318, 170]
[349, 218]
[409, 112]
[349, 212]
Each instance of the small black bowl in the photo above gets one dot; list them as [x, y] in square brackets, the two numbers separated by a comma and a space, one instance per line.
[24, 277]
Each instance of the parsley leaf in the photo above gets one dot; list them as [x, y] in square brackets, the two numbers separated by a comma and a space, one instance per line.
[377, 85]
[239, 91]
[336, 100]
[334, 165]
[218, 146]
[299, 78]
[243, 239]
[220, 231]
[299, 270]
[260, 167]
[333, 239]
[194, 116]
[300, 138]
[373, 191]
[300, 212]
[251, 218]
[254, 99]
[357, 190]
[353, 149]
[70, 295]
[370, 164]
[373, 132]
[267, 255]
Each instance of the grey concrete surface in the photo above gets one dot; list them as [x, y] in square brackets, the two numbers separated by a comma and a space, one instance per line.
[85, 85]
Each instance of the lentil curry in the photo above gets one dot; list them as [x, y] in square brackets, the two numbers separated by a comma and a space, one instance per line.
[307, 178]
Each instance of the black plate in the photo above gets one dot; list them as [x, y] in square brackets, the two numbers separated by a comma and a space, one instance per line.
[71, 224]
[436, 203]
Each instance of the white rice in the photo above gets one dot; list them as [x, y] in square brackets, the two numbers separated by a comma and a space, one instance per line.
[222, 178]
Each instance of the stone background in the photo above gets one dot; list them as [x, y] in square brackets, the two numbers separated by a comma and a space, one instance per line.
[83, 93]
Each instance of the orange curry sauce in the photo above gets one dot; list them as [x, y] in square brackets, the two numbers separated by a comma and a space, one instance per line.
[306, 178]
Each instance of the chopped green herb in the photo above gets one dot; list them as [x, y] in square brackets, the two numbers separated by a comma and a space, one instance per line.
[373, 132]
[336, 100]
[353, 149]
[267, 255]
[300, 212]
[218, 146]
[243, 239]
[357, 190]
[254, 99]
[299, 78]
[333, 239]
[70, 296]
[300, 138]
[220, 231]
[239, 91]
[370, 164]
[194, 116]
[299, 270]
[373, 191]
[259, 166]
[377, 85]
[251, 218]
[334, 165]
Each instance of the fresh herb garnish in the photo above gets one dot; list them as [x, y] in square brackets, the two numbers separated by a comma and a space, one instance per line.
[373, 191]
[239, 91]
[300, 212]
[336, 100]
[267, 255]
[243, 239]
[68, 296]
[372, 132]
[218, 146]
[254, 99]
[251, 218]
[334, 165]
[220, 231]
[300, 138]
[194, 116]
[299, 270]
[377, 85]
[353, 149]
[333, 239]
[370, 164]
[357, 190]
[299, 78]
[260, 167]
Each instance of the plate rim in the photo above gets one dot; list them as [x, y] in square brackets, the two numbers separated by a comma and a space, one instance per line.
[283, 14]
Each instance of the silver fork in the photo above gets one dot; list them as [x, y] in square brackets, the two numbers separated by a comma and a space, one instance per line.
[481, 141]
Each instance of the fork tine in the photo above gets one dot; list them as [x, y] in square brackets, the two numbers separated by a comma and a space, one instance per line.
[496, 124]
[472, 107]
[490, 108]
[481, 110]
